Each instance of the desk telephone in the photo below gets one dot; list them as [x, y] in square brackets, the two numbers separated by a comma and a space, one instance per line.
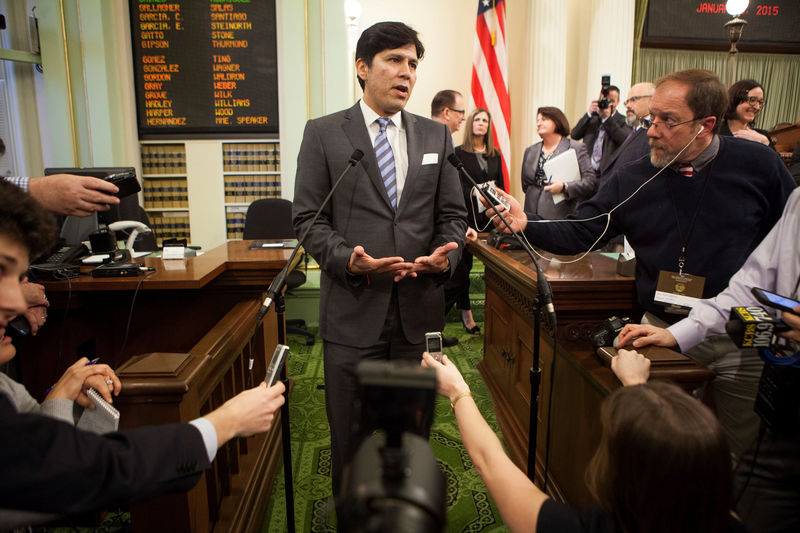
[59, 265]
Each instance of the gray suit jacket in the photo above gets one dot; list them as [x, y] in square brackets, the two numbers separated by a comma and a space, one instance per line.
[430, 213]
[541, 203]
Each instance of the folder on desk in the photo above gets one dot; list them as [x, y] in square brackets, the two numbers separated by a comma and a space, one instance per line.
[564, 168]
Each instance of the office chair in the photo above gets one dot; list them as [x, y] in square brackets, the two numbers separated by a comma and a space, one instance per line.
[271, 218]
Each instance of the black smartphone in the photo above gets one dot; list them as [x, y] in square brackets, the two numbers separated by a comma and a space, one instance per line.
[774, 300]
[278, 358]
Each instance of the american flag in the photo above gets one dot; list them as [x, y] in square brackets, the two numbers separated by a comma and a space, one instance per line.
[490, 74]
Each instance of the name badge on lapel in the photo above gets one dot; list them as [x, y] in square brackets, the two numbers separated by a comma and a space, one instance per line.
[430, 159]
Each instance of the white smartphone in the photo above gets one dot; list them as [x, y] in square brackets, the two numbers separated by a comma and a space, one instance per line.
[278, 358]
[433, 344]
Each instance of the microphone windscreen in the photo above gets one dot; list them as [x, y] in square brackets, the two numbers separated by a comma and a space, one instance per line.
[455, 161]
[356, 156]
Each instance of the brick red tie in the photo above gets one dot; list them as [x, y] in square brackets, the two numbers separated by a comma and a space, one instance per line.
[686, 170]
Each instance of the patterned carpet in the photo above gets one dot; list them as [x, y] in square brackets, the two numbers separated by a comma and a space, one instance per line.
[469, 508]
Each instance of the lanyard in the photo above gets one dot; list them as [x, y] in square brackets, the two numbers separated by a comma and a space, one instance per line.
[685, 241]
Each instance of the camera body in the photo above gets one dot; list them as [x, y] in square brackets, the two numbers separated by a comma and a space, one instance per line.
[604, 101]
[608, 331]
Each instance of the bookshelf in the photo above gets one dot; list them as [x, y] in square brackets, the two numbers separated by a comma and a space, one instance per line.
[251, 171]
[200, 189]
[165, 189]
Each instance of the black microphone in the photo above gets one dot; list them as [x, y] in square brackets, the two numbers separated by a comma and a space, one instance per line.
[543, 286]
[280, 280]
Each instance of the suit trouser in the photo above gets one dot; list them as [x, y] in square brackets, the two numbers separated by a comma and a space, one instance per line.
[341, 384]
[456, 289]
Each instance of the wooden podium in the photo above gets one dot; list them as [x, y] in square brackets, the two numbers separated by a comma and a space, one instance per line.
[584, 294]
[187, 352]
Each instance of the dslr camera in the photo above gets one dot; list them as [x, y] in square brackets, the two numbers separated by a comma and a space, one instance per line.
[604, 102]
[608, 331]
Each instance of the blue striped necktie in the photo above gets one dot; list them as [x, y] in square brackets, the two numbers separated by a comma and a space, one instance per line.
[385, 157]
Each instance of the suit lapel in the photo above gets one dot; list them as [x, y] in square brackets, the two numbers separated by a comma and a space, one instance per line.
[358, 135]
[414, 144]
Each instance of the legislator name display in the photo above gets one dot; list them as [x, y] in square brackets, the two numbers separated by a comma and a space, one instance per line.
[205, 67]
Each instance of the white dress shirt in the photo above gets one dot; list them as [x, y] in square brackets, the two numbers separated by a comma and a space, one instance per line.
[396, 134]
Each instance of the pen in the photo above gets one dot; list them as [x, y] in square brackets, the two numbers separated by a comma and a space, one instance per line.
[91, 362]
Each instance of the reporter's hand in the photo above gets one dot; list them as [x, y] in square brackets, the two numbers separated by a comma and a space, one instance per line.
[361, 263]
[249, 412]
[75, 381]
[793, 321]
[515, 215]
[36, 314]
[435, 263]
[555, 187]
[631, 367]
[647, 335]
[449, 381]
[751, 135]
[472, 234]
[68, 194]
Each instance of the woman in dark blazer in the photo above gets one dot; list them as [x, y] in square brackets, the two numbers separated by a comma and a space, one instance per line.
[482, 161]
[746, 100]
[553, 128]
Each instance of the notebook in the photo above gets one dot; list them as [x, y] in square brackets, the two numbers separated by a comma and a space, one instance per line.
[564, 168]
[104, 418]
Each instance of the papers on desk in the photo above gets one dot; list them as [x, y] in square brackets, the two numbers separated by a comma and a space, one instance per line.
[563, 168]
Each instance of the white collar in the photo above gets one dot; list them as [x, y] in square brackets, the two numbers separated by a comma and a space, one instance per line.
[371, 116]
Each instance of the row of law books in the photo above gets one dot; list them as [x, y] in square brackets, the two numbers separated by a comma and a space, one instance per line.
[163, 159]
[234, 221]
[165, 193]
[246, 189]
[170, 226]
[242, 157]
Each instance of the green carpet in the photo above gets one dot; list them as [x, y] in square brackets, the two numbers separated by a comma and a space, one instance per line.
[469, 507]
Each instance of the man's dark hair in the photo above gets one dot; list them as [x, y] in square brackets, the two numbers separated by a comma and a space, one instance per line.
[442, 100]
[558, 118]
[737, 93]
[707, 97]
[614, 88]
[385, 36]
[24, 221]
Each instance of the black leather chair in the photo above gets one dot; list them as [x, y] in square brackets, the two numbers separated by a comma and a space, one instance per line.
[271, 218]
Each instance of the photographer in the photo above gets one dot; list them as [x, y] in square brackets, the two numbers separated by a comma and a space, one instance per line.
[636, 488]
[602, 128]
[769, 500]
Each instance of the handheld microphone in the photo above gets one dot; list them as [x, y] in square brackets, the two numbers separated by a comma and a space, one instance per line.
[280, 280]
[544, 290]
[752, 327]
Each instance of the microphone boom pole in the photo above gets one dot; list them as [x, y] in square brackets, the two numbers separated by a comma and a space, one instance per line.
[544, 301]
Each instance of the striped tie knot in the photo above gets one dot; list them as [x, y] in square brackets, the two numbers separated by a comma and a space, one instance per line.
[686, 170]
[383, 123]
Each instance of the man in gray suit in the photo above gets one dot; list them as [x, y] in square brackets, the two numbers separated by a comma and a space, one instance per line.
[393, 231]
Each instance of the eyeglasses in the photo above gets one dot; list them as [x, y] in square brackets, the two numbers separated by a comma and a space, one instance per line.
[755, 100]
[459, 111]
[632, 99]
[646, 122]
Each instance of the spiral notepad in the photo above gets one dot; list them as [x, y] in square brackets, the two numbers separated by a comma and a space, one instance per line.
[104, 418]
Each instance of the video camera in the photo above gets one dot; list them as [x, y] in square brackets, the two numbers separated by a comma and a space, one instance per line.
[393, 482]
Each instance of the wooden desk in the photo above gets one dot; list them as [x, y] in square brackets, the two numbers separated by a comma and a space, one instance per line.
[187, 352]
[584, 294]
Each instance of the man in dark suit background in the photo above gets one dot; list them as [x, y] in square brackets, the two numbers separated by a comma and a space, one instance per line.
[602, 130]
[393, 231]
[636, 144]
